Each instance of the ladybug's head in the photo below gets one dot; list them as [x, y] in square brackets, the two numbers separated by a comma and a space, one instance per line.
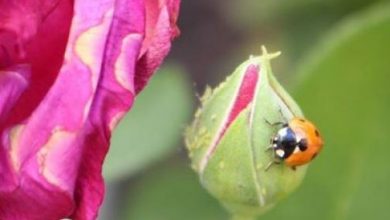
[286, 142]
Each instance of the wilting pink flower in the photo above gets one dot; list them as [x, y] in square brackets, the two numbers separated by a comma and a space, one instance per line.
[69, 71]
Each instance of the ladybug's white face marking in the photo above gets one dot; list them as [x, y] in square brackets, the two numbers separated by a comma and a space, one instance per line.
[282, 132]
[279, 152]
[284, 142]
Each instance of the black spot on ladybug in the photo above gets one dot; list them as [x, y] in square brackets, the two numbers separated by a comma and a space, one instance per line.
[314, 156]
[317, 133]
[302, 144]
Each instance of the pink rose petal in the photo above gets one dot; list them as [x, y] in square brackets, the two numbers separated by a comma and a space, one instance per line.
[86, 60]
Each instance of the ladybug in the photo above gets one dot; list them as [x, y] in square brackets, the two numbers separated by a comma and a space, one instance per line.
[295, 143]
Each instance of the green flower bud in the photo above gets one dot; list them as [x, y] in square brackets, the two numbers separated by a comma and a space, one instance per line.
[228, 139]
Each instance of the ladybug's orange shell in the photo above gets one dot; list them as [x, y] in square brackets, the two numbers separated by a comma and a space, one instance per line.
[305, 129]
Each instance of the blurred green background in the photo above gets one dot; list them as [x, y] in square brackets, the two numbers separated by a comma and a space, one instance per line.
[335, 62]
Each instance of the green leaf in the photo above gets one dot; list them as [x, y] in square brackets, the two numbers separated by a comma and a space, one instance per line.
[344, 89]
[172, 192]
[153, 127]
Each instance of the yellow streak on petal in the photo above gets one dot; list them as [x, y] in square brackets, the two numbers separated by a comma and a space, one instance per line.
[115, 120]
[56, 140]
[87, 107]
[89, 48]
[90, 44]
[14, 138]
[122, 72]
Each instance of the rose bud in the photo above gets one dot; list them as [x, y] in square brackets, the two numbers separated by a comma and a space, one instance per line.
[229, 140]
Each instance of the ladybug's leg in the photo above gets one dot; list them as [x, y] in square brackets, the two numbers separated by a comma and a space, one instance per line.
[280, 111]
[283, 118]
[283, 122]
[271, 148]
[271, 163]
[272, 143]
[274, 123]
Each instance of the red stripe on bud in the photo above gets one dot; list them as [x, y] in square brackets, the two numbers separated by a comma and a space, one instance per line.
[244, 96]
